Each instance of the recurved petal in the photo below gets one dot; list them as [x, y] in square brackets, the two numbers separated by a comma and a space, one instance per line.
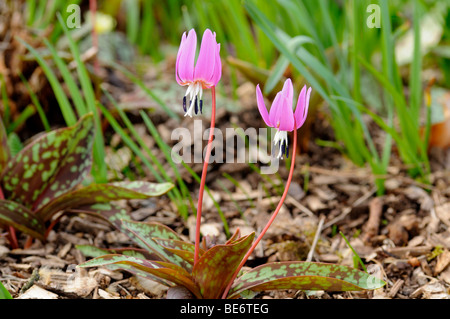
[301, 111]
[186, 59]
[262, 107]
[183, 39]
[204, 69]
[281, 115]
[217, 68]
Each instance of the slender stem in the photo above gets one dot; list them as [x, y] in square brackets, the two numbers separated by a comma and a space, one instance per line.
[203, 179]
[28, 243]
[13, 237]
[272, 218]
[53, 224]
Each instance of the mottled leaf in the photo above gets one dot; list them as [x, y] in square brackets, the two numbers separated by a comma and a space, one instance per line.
[215, 268]
[304, 276]
[143, 233]
[109, 212]
[50, 166]
[103, 193]
[147, 269]
[21, 218]
[109, 262]
[4, 147]
[93, 252]
[180, 248]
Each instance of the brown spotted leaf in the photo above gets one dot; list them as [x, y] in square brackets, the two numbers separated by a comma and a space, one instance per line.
[5, 152]
[21, 218]
[142, 234]
[93, 251]
[103, 193]
[50, 166]
[304, 276]
[215, 268]
[109, 212]
[180, 248]
[113, 262]
[163, 271]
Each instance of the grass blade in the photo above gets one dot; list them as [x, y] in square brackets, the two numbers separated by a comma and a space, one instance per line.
[63, 101]
[99, 170]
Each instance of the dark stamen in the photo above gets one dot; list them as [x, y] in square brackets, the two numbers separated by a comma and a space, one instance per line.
[184, 103]
[287, 150]
[283, 147]
[201, 106]
[196, 105]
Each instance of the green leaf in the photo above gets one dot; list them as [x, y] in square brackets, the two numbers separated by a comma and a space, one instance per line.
[23, 116]
[277, 71]
[15, 145]
[68, 78]
[305, 276]
[21, 218]
[143, 233]
[103, 193]
[148, 269]
[4, 293]
[50, 166]
[63, 101]
[215, 268]
[254, 73]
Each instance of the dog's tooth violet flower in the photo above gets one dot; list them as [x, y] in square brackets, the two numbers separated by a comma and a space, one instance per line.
[281, 115]
[201, 74]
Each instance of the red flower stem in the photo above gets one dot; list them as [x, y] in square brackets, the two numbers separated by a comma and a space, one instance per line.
[272, 218]
[12, 232]
[53, 223]
[13, 237]
[28, 243]
[203, 178]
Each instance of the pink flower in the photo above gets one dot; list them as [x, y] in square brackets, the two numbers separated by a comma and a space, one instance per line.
[281, 115]
[203, 74]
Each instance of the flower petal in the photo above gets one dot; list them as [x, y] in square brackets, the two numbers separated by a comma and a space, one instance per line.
[186, 59]
[301, 111]
[217, 68]
[183, 39]
[288, 90]
[204, 69]
[281, 115]
[261, 106]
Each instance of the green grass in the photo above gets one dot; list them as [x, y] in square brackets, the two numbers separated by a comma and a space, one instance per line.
[4, 294]
[334, 49]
